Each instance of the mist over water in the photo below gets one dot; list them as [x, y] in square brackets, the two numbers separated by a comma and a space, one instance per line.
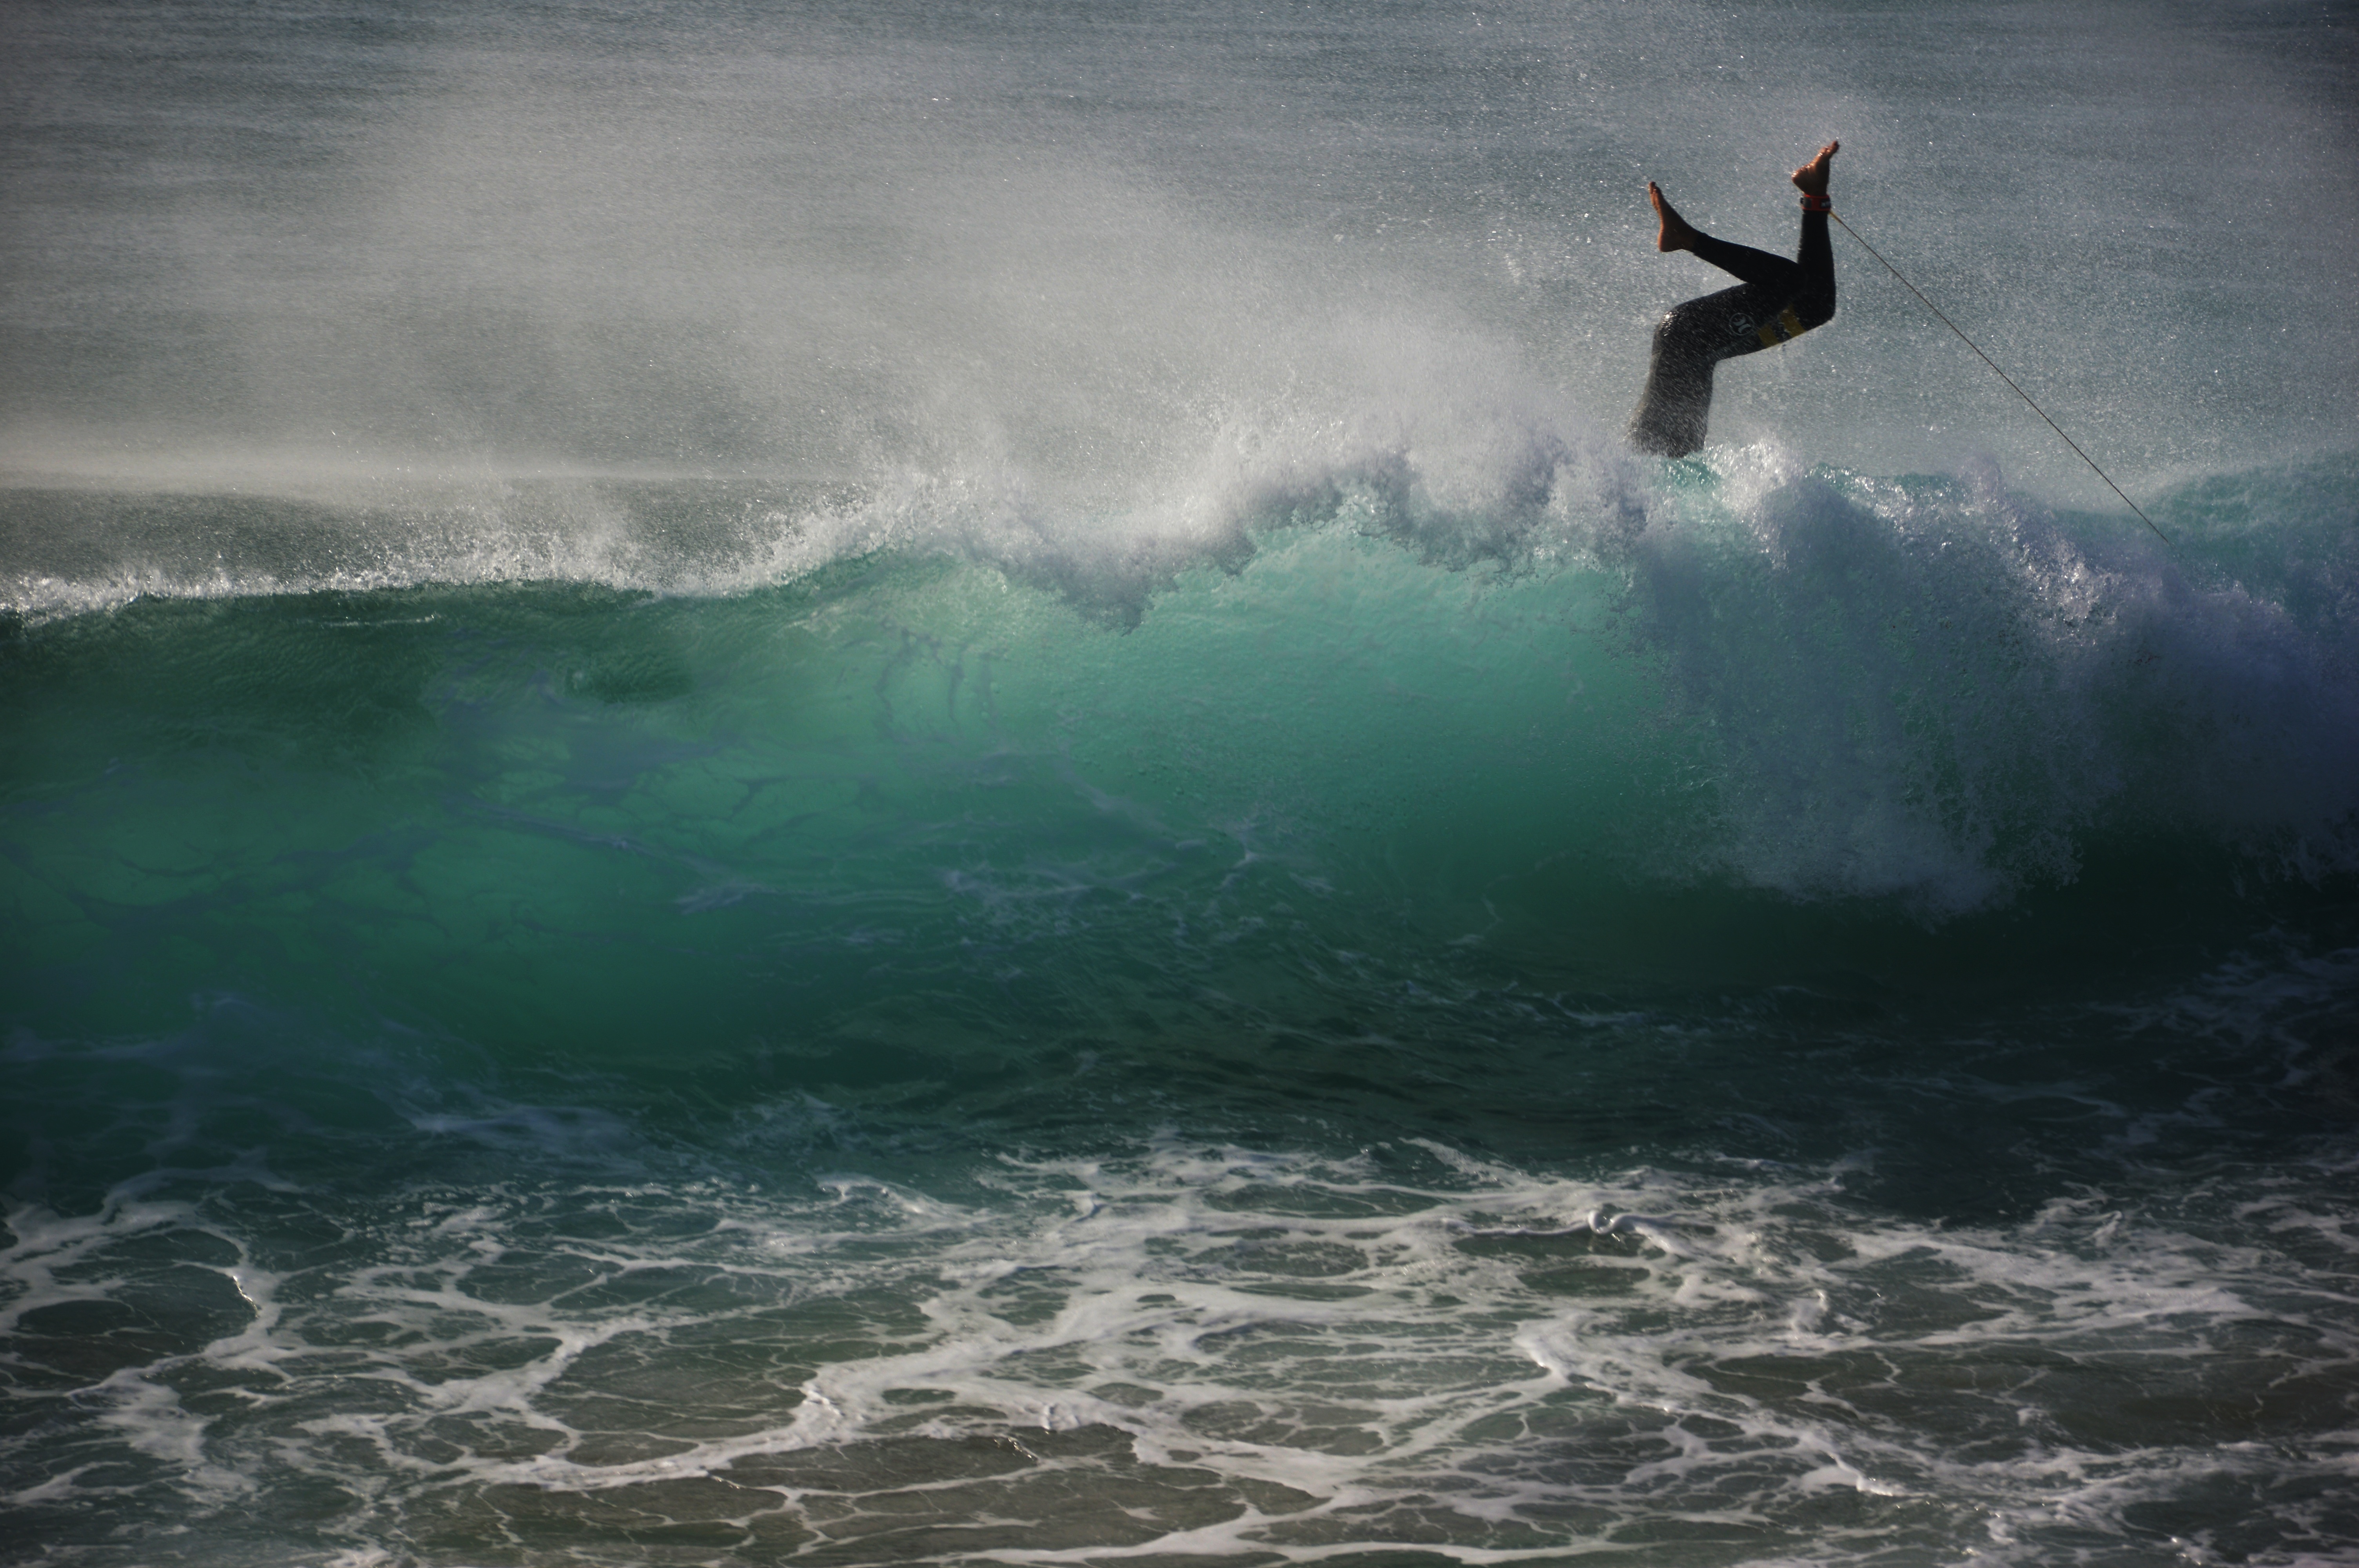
[860, 784]
[1088, 268]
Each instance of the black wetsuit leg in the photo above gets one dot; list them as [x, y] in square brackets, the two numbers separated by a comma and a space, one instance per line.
[1777, 300]
[1744, 264]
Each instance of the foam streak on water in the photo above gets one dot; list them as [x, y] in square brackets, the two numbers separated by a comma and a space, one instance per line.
[1185, 1347]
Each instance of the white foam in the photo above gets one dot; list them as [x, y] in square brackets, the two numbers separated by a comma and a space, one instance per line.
[1413, 1337]
[1936, 691]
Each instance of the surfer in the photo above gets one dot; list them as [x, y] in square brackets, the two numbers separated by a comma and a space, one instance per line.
[1775, 301]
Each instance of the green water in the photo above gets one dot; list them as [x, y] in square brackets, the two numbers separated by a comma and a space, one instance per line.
[1677, 1038]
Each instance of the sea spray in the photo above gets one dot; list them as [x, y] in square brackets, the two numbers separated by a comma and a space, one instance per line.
[862, 785]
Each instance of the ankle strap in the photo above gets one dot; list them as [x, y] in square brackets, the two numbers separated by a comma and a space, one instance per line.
[1818, 203]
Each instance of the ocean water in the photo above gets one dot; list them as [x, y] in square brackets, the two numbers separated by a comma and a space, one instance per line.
[873, 783]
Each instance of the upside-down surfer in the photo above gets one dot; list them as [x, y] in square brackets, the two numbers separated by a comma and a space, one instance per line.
[1776, 301]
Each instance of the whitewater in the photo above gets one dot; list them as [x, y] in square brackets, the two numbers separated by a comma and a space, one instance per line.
[871, 783]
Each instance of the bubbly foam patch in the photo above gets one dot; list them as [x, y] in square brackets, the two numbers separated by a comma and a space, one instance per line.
[1939, 690]
[1222, 1353]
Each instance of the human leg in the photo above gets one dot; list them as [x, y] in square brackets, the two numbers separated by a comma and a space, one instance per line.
[1815, 274]
[1775, 274]
[1815, 294]
[1776, 301]
[1675, 408]
[1741, 261]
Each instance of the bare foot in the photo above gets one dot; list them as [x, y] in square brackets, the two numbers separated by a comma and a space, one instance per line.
[1676, 234]
[1810, 180]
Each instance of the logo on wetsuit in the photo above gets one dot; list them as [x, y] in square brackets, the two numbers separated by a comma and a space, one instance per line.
[1784, 329]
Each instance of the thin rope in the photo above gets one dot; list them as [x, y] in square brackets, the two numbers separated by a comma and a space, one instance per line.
[1953, 326]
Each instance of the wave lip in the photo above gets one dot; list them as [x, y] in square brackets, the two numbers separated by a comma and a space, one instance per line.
[1936, 689]
[1925, 690]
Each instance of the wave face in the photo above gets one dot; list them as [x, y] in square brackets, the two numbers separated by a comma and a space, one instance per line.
[859, 786]
[1903, 701]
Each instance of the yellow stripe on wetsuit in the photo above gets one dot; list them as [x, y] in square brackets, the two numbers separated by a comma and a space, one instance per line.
[1784, 329]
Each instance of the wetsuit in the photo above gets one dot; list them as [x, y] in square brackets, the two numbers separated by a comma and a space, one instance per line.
[1778, 301]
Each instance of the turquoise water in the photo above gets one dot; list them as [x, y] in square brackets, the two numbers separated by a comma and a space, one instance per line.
[719, 847]
[521, 1072]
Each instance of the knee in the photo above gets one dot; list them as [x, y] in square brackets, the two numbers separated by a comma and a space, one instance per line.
[1815, 312]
